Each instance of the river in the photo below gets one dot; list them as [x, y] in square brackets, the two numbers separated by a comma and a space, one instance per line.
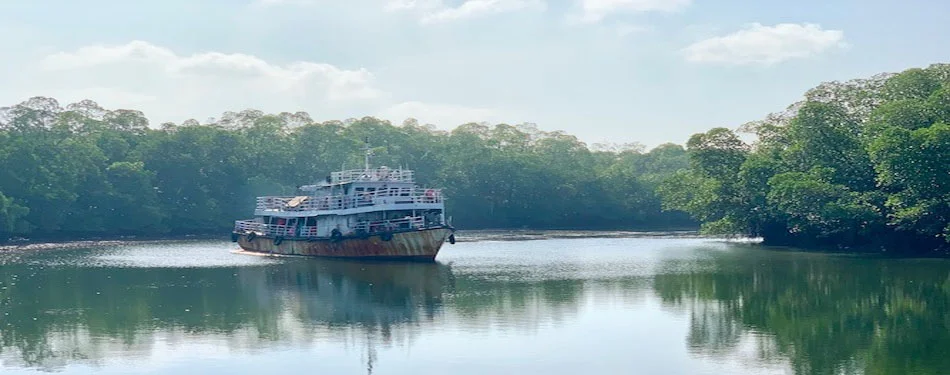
[490, 305]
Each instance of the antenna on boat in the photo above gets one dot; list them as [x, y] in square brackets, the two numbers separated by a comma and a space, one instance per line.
[367, 152]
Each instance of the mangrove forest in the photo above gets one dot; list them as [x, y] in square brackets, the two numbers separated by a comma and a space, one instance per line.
[862, 164]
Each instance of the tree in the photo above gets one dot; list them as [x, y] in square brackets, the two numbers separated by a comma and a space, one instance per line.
[860, 165]
[85, 170]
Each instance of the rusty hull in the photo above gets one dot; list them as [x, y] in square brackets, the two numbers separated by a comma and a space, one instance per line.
[422, 245]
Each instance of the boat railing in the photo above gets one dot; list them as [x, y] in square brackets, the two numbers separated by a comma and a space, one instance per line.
[373, 174]
[371, 226]
[245, 226]
[338, 202]
[374, 226]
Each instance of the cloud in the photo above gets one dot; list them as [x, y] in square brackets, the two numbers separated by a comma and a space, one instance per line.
[243, 71]
[592, 11]
[435, 11]
[440, 114]
[758, 44]
[169, 86]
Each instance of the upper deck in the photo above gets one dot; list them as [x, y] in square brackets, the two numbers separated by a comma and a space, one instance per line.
[354, 191]
[375, 174]
[367, 201]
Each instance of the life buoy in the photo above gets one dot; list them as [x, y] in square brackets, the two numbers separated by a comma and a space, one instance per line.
[278, 240]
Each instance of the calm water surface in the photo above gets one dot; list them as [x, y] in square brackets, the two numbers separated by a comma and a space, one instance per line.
[553, 306]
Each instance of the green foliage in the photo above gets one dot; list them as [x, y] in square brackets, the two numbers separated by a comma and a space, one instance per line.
[913, 164]
[717, 153]
[10, 214]
[84, 170]
[821, 211]
[861, 164]
[913, 84]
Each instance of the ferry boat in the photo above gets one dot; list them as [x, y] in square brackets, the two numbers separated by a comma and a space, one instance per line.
[369, 213]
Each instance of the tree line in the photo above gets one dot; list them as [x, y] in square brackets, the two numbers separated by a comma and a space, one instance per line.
[85, 171]
[862, 164]
[857, 165]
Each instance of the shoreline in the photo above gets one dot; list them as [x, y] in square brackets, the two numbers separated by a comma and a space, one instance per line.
[473, 235]
[486, 235]
[62, 243]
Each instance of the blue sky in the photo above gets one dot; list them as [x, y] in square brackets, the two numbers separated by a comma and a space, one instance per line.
[648, 71]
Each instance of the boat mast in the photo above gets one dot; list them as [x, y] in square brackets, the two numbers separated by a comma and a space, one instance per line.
[367, 152]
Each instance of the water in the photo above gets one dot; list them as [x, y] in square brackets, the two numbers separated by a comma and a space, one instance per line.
[553, 306]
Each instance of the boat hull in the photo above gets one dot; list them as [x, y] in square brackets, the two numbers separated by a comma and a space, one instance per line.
[418, 245]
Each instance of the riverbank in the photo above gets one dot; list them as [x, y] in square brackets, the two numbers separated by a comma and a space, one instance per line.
[59, 243]
[462, 236]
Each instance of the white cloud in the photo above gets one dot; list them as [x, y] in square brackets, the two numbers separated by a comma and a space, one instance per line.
[169, 86]
[173, 87]
[444, 115]
[236, 71]
[436, 11]
[758, 44]
[592, 11]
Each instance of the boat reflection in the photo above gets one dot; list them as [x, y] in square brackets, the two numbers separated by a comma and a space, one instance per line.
[105, 308]
[57, 316]
[335, 293]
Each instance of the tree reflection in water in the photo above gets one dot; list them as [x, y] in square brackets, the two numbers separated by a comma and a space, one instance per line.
[57, 314]
[822, 314]
[826, 314]
[53, 316]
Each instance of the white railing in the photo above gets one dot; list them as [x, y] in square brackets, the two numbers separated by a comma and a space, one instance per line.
[376, 226]
[376, 174]
[245, 226]
[338, 202]
[390, 225]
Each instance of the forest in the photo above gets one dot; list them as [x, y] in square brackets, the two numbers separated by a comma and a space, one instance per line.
[82, 171]
[862, 164]
[857, 165]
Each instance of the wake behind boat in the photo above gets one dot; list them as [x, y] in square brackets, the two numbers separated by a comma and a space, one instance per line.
[377, 213]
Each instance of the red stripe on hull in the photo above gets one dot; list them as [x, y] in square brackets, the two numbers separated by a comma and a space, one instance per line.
[415, 245]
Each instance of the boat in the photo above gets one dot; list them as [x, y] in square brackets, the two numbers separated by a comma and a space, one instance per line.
[368, 213]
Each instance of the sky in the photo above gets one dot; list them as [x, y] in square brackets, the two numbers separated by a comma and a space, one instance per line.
[607, 71]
